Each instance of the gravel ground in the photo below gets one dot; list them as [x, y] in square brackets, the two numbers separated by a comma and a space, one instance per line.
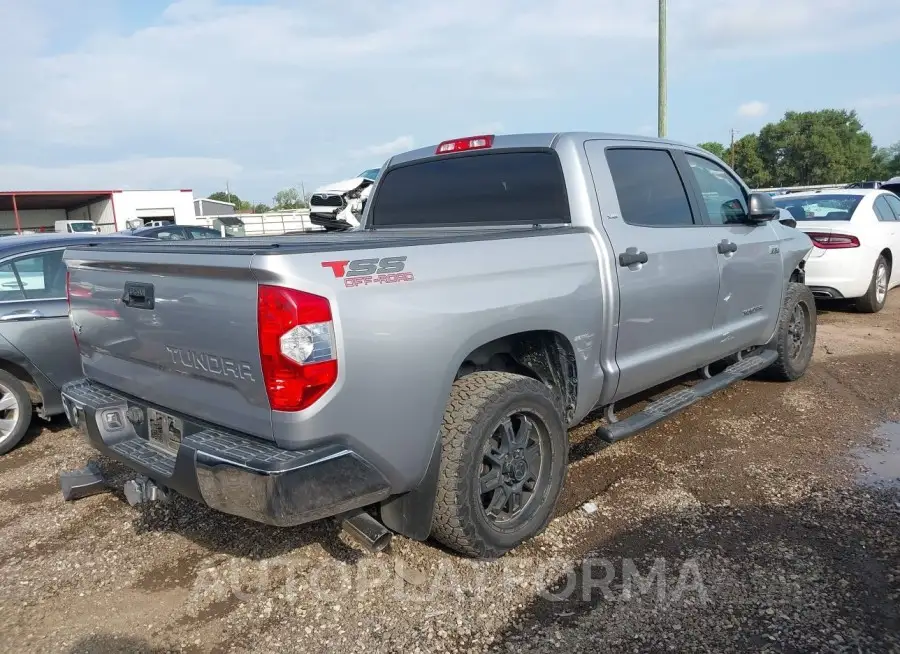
[765, 518]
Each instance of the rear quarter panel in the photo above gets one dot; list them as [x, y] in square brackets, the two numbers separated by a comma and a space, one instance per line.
[401, 344]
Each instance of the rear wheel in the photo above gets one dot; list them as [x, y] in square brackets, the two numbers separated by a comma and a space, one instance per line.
[874, 299]
[15, 411]
[795, 336]
[503, 462]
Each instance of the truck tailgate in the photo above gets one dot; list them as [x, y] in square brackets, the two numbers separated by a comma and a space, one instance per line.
[180, 331]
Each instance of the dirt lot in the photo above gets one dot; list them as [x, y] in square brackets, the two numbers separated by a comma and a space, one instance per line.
[744, 523]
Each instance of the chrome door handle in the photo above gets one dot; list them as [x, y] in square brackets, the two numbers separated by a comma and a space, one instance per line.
[28, 314]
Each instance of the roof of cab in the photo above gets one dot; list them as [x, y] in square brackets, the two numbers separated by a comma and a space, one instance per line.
[539, 140]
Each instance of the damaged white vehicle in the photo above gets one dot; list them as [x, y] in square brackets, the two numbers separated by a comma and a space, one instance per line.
[338, 206]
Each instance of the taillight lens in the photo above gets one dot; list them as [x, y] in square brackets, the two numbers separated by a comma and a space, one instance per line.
[833, 241]
[296, 346]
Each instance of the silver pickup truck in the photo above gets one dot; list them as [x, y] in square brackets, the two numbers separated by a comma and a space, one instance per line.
[428, 364]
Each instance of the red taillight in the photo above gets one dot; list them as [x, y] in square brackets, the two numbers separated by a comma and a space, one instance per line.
[468, 143]
[833, 241]
[296, 347]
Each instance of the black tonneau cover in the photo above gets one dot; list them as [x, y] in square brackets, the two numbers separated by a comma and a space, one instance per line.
[327, 242]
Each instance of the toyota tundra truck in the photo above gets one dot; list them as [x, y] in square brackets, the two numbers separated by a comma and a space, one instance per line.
[424, 368]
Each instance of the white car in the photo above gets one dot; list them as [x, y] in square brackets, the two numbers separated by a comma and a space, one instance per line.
[856, 238]
[339, 205]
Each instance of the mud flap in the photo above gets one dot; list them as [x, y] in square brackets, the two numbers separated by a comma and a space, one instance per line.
[410, 514]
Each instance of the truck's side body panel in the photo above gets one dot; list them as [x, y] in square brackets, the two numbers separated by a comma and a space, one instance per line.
[399, 343]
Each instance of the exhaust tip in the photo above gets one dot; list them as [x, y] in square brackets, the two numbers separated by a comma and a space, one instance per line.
[367, 531]
[381, 543]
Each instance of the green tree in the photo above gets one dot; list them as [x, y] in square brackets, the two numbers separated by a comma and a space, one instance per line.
[828, 146]
[261, 207]
[289, 198]
[222, 196]
[747, 162]
[714, 148]
[886, 162]
[879, 166]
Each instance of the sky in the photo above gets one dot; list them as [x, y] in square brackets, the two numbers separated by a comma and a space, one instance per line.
[267, 94]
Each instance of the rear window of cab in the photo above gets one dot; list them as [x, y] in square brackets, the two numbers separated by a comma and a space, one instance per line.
[501, 188]
[819, 207]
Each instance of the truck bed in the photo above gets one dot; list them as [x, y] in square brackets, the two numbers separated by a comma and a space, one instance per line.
[196, 350]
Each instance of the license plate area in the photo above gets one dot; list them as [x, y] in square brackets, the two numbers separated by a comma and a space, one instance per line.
[164, 431]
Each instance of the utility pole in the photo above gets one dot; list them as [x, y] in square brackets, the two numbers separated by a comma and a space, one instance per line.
[661, 72]
[227, 190]
[732, 147]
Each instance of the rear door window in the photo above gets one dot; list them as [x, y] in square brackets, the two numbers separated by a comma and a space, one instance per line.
[649, 187]
[519, 187]
[10, 288]
[894, 203]
[171, 234]
[883, 209]
[34, 277]
[202, 232]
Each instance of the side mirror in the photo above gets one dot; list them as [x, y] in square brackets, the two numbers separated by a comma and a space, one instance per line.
[763, 208]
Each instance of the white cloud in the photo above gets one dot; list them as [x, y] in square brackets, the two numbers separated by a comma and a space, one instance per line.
[887, 101]
[795, 27]
[276, 91]
[384, 150]
[149, 172]
[753, 109]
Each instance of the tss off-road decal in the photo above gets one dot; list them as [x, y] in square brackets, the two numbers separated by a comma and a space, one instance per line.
[362, 272]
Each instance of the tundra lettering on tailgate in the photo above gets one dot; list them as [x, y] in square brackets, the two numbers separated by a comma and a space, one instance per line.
[212, 364]
[362, 272]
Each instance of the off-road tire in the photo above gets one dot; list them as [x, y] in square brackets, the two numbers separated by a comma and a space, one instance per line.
[869, 302]
[786, 367]
[23, 411]
[477, 405]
